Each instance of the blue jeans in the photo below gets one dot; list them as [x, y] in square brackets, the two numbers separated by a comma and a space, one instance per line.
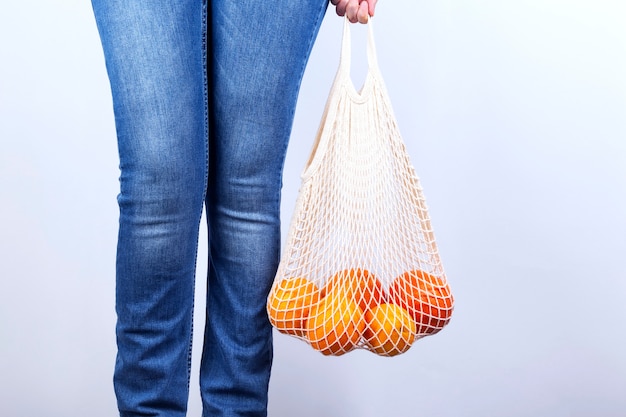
[204, 97]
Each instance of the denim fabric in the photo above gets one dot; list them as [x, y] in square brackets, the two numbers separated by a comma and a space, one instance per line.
[204, 96]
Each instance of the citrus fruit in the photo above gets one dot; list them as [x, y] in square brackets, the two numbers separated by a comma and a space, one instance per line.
[389, 330]
[335, 324]
[358, 284]
[426, 297]
[289, 302]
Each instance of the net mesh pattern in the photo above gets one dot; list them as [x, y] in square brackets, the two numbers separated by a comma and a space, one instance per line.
[361, 267]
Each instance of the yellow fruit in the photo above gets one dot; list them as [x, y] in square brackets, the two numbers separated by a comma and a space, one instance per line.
[360, 285]
[289, 303]
[335, 324]
[389, 330]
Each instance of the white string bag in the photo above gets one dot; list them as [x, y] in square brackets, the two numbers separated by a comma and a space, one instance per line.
[360, 268]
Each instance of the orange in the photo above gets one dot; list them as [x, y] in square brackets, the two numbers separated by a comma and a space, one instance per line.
[389, 330]
[289, 303]
[335, 324]
[360, 285]
[426, 297]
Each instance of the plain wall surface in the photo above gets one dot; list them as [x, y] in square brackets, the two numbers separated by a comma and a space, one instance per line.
[514, 114]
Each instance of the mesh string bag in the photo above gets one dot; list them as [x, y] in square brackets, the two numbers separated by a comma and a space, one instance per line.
[360, 268]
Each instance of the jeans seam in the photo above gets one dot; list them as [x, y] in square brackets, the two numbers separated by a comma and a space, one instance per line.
[320, 15]
[204, 31]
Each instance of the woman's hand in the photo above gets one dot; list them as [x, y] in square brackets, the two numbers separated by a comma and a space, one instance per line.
[355, 10]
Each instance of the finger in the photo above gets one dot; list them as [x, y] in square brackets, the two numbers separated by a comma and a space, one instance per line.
[363, 12]
[352, 10]
[340, 7]
[372, 6]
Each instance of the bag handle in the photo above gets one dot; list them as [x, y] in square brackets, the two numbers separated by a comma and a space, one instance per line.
[343, 82]
[346, 49]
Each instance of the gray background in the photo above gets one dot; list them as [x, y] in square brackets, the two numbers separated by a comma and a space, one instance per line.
[515, 117]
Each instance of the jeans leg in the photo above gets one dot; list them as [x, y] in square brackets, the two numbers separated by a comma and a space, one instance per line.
[257, 56]
[154, 51]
